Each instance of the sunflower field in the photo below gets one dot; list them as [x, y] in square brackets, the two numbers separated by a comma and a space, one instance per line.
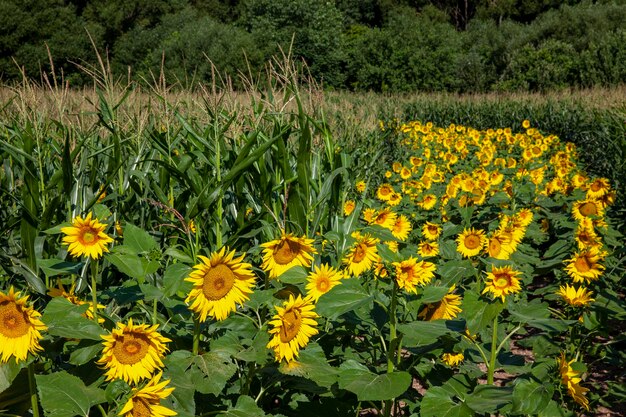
[253, 264]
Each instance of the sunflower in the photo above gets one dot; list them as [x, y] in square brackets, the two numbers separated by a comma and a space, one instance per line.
[587, 208]
[452, 359]
[281, 254]
[145, 402]
[447, 308]
[360, 186]
[321, 280]
[410, 273]
[384, 192]
[575, 297]
[72, 298]
[362, 255]
[431, 231]
[86, 237]
[584, 265]
[471, 242]
[571, 379]
[427, 249]
[586, 236]
[598, 188]
[428, 202]
[219, 284]
[132, 352]
[348, 207]
[20, 327]
[292, 327]
[503, 281]
[401, 228]
[405, 173]
[394, 199]
[369, 214]
[500, 246]
[385, 218]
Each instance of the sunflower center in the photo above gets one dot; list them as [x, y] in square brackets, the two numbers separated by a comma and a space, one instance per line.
[582, 264]
[360, 252]
[323, 284]
[141, 407]
[292, 320]
[502, 281]
[596, 186]
[472, 242]
[286, 251]
[494, 247]
[588, 209]
[13, 323]
[131, 348]
[89, 236]
[218, 281]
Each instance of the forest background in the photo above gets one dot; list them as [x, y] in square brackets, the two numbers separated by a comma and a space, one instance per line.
[358, 45]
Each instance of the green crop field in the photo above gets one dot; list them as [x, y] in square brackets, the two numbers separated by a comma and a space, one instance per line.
[284, 251]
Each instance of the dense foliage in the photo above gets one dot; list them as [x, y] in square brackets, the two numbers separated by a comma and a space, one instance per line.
[379, 45]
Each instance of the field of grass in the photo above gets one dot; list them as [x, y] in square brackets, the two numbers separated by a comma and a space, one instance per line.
[288, 251]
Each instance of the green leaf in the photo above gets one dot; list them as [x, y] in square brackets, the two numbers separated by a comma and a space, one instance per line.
[452, 272]
[132, 265]
[422, 333]
[245, 407]
[347, 296]
[65, 395]
[432, 294]
[536, 314]
[86, 352]
[489, 398]
[177, 364]
[479, 314]
[438, 403]
[312, 364]
[174, 278]
[212, 372]
[53, 267]
[138, 239]
[65, 319]
[369, 386]
[8, 372]
[294, 275]
[531, 397]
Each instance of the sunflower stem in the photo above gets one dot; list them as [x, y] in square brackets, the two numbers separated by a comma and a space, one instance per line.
[494, 352]
[94, 295]
[196, 336]
[392, 340]
[31, 386]
[102, 411]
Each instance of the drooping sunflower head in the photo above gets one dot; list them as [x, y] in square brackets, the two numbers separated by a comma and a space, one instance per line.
[292, 327]
[286, 252]
[146, 401]
[575, 297]
[571, 380]
[20, 327]
[132, 352]
[362, 256]
[447, 308]
[321, 280]
[219, 284]
[502, 281]
[471, 242]
[86, 237]
[585, 266]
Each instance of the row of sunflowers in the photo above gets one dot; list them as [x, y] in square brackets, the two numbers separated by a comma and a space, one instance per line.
[474, 277]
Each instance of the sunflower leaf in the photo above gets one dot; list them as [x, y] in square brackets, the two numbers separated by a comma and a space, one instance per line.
[347, 296]
[65, 319]
[65, 395]
[8, 372]
[369, 386]
[245, 407]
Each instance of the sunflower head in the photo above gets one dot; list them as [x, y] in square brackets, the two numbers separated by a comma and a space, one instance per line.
[146, 401]
[20, 327]
[86, 237]
[585, 266]
[291, 327]
[471, 242]
[431, 231]
[410, 273]
[502, 281]
[447, 308]
[401, 227]
[321, 280]
[575, 297]
[362, 256]
[348, 207]
[288, 251]
[132, 352]
[452, 359]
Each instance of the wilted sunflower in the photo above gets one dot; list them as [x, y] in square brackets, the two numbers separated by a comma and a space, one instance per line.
[292, 327]
[321, 280]
[410, 273]
[471, 242]
[503, 281]
[575, 297]
[585, 266]
[571, 379]
[452, 359]
[447, 308]
[219, 284]
[431, 231]
[288, 251]
[20, 327]
[401, 227]
[86, 237]
[362, 255]
[132, 352]
[146, 402]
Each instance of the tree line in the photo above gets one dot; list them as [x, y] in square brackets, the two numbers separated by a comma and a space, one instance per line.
[362, 45]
